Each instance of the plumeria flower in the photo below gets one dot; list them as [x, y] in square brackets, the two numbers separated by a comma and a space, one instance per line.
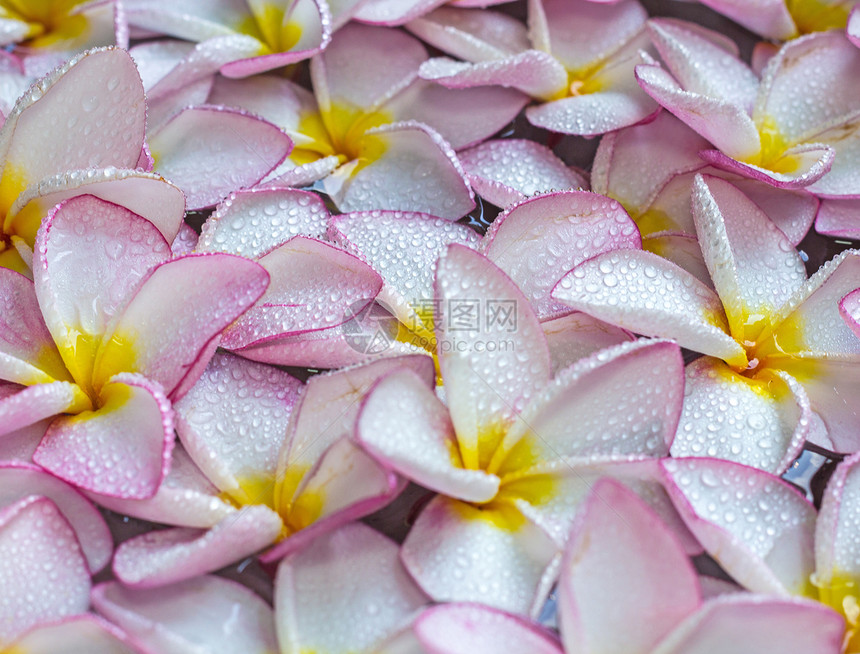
[758, 128]
[576, 59]
[768, 537]
[276, 462]
[344, 593]
[373, 133]
[777, 347]
[79, 130]
[512, 452]
[97, 343]
[785, 19]
[246, 38]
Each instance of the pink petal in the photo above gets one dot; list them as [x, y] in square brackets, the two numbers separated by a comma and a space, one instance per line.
[18, 446]
[100, 93]
[345, 593]
[791, 211]
[205, 614]
[460, 553]
[853, 27]
[210, 152]
[760, 422]
[314, 286]
[769, 18]
[757, 527]
[185, 241]
[170, 555]
[507, 171]
[838, 217]
[746, 624]
[849, 308]
[648, 295]
[753, 266]
[620, 561]
[808, 163]
[472, 35]
[40, 401]
[681, 249]
[45, 575]
[194, 20]
[576, 336]
[215, 289]
[404, 424]
[843, 177]
[481, 305]
[394, 12]
[85, 634]
[418, 171]
[252, 223]
[234, 419]
[836, 542]
[724, 124]
[121, 449]
[539, 240]
[476, 629]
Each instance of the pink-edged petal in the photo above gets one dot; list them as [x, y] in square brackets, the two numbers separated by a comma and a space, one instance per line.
[838, 217]
[826, 59]
[252, 223]
[757, 527]
[409, 167]
[576, 336]
[648, 295]
[475, 629]
[756, 624]
[849, 308]
[19, 480]
[122, 448]
[853, 28]
[165, 345]
[18, 446]
[752, 264]
[393, 12]
[203, 614]
[196, 20]
[145, 194]
[505, 172]
[233, 421]
[703, 67]
[539, 240]
[807, 163]
[760, 422]
[620, 561]
[85, 634]
[843, 177]
[769, 18]
[209, 152]
[44, 573]
[34, 403]
[836, 542]
[681, 249]
[170, 555]
[185, 241]
[486, 385]
[91, 255]
[27, 351]
[185, 498]
[404, 424]
[101, 93]
[790, 210]
[305, 175]
[724, 124]
[533, 72]
[457, 552]
[344, 593]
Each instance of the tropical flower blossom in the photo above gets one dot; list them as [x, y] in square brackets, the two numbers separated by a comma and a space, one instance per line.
[786, 19]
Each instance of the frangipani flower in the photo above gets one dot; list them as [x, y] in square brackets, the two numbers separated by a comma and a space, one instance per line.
[512, 451]
[79, 130]
[577, 59]
[776, 130]
[97, 339]
[785, 19]
[262, 35]
[84, 634]
[277, 453]
[775, 341]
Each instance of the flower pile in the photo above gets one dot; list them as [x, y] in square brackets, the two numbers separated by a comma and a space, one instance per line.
[412, 327]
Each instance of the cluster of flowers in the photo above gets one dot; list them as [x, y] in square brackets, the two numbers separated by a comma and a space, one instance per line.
[204, 203]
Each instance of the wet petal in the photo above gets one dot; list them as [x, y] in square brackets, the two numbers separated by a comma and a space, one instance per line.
[85, 634]
[838, 217]
[578, 335]
[849, 308]
[807, 163]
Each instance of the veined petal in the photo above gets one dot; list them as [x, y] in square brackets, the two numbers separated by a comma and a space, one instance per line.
[209, 152]
[757, 527]
[45, 576]
[843, 178]
[205, 613]
[476, 629]
[254, 222]
[120, 449]
[536, 242]
[493, 555]
[621, 559]
[752, 264]
[760, 422]
[648, 295]
[404, 424]
[164, 557]
[493, 355]
[164, 345]
[345, 593]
